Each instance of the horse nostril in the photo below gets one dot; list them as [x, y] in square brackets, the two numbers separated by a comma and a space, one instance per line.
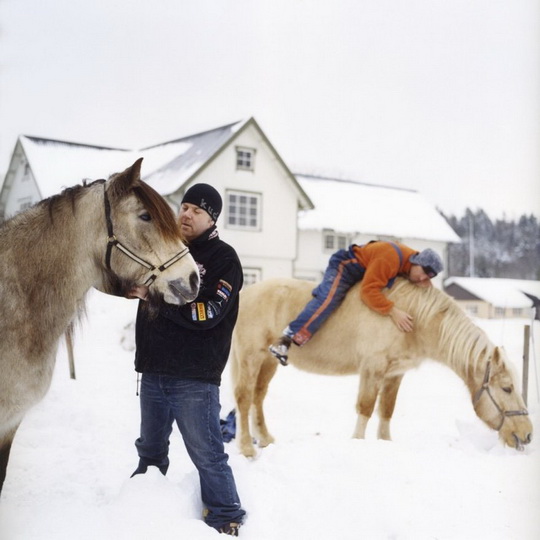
[529, 438]
[194, 281]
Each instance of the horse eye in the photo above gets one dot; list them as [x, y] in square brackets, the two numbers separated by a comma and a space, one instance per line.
[507, 389]
[145, 217]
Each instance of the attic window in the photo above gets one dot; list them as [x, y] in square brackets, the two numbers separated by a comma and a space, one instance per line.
[245, 158]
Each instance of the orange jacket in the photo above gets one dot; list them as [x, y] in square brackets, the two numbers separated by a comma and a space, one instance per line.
[381, 261]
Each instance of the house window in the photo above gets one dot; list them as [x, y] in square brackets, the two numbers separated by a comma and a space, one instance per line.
[517, 312]
[25, 203]
[333, 241]
[500, 311]
[243, 210]
[472, 309]
[245, 158]
[26, 174]
[251, 276]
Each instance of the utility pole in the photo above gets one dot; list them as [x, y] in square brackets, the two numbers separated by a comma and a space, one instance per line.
[471, 247]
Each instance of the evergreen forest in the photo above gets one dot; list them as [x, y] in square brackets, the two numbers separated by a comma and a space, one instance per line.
[494, 248]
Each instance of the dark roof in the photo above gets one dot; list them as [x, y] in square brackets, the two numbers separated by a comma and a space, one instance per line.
[43, 140]
[217, 132]
[459, 293]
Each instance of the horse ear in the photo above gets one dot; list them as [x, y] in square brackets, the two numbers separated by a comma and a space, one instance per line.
[498, 356]
[122, 183]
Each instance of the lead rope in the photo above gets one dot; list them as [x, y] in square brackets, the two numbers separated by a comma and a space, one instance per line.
[138, 384]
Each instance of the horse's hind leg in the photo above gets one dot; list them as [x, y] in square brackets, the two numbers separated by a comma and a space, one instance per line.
[5, 448]
[387, 403]
[367, 396]
[268, 370]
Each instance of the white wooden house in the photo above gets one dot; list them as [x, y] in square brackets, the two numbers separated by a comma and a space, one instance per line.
[261, 196]
[349, 212]
[279, 223]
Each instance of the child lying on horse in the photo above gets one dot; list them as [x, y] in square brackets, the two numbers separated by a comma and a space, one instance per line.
[376, 264]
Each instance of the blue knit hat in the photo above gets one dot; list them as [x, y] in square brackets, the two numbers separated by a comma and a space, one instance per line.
[206, 197]
[429, 261]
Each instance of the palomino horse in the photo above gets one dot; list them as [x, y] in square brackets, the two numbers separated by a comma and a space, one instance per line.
[356, 339]
[112, 235]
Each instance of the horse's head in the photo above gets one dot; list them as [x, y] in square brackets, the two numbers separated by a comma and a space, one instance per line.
[497, 402]
[145, 245]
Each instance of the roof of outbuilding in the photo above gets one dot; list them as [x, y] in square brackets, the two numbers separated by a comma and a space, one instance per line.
[354, 207]
[499, 292]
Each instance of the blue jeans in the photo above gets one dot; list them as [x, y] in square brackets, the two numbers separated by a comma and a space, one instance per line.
[195, 407]
[342, 273]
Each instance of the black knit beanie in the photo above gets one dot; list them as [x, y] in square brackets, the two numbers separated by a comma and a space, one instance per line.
[205, 197]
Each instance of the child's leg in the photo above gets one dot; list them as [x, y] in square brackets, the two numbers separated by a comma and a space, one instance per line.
[342, 273]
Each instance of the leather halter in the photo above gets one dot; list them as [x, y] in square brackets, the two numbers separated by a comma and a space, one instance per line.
[485, 388]
[112, 241]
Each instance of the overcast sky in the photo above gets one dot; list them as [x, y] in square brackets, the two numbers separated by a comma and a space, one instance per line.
[438, 96]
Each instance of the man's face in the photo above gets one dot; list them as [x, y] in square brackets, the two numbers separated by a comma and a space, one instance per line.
[419, 277]
[193, 221]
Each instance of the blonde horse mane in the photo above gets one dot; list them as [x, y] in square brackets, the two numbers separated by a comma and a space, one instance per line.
[461, 343]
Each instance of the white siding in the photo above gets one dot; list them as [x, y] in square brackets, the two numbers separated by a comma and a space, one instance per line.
[313, 259]
[273, 247]
[20, 189]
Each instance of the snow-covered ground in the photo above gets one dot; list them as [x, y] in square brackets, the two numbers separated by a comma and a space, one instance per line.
[445, 475]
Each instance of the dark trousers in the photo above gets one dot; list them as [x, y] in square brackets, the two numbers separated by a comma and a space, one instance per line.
[195, 407]
[342, 273]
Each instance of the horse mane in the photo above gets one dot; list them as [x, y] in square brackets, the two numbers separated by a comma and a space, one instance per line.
[161, 213]
[461, 343]
[71, 194]
[159, 210]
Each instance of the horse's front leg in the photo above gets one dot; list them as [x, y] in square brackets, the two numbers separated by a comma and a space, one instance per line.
[5, 447]
[266, 373]
[244, 382]
[367, 396]
[243, 436]
[387, 403]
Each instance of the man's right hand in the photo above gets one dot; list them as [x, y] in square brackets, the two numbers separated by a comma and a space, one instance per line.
[402, 319]
[138, 291]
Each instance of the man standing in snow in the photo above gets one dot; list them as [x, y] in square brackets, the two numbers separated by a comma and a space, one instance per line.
[181, 353]
[376, 264]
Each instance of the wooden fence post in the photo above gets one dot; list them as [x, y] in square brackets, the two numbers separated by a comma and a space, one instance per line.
[525, 374]
[69, 347]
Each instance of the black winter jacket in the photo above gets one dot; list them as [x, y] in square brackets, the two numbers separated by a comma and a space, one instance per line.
[193, 341]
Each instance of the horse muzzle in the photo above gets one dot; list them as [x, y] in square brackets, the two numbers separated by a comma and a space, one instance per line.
[520, 444]
[184, 291]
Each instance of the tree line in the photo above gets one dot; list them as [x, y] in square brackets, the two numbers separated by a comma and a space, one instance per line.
[500, 248]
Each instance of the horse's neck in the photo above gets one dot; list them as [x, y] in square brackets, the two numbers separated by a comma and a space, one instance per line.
[52, 257]
[461, 345]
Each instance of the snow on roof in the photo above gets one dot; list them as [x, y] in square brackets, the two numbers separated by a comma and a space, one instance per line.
[60, 164]
[57, 165]
[499, 292]
[197, 150]
[353, 207]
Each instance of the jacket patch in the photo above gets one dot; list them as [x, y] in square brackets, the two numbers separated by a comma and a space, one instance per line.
[222, 294]
[201, 311]
[224, 289]
[198, 311]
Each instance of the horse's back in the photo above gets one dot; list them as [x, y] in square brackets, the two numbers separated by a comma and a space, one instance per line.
[352, 335]
[268, 306]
